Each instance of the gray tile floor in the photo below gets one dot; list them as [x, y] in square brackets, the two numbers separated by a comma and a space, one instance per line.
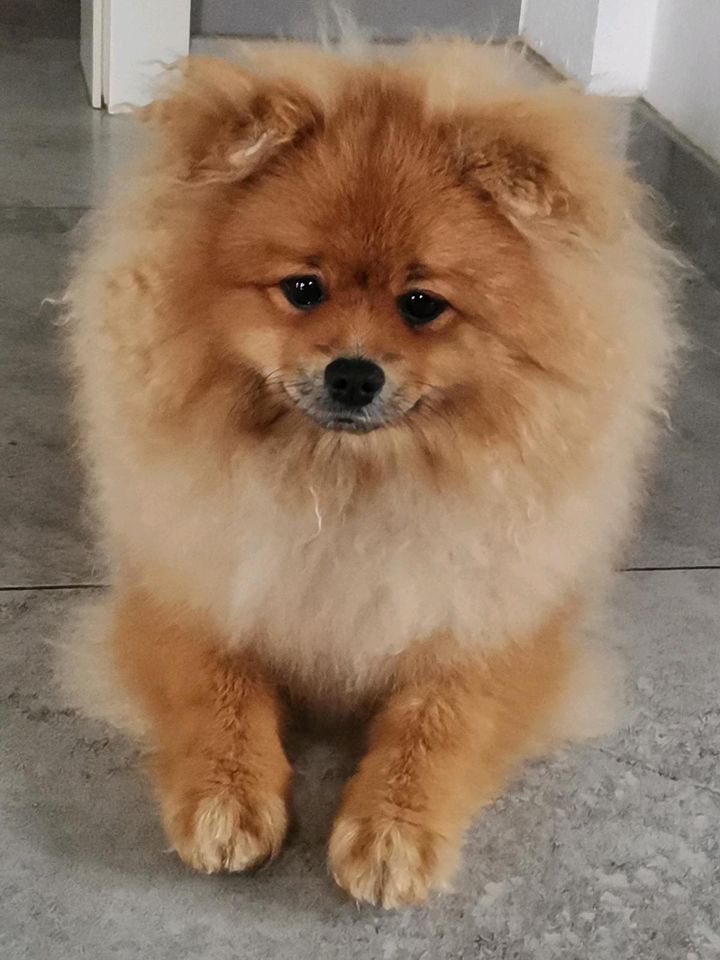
[611, 850]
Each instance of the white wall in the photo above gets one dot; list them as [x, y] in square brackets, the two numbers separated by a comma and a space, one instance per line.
[605, 44]
[684, 77]
[563, 31]
[665, 50]
[623, 46]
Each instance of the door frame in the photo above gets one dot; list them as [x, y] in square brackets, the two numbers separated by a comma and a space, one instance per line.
[125, 45]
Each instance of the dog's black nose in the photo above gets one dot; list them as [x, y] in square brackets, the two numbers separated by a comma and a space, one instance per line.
[352, 381]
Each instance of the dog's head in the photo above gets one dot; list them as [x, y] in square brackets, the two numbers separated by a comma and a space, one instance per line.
[365, 262]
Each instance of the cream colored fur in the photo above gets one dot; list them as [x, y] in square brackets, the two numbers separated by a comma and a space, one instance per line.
[334, 594]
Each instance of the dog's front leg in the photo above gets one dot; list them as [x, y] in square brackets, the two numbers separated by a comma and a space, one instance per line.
[439, 749]
[217, 762]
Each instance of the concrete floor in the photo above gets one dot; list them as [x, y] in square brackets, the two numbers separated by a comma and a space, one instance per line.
[608, 852]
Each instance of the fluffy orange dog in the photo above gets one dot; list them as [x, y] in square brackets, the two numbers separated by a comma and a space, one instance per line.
[367, 357]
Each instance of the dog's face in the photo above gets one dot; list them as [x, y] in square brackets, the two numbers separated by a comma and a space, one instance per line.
[361, 279]
[360, 270]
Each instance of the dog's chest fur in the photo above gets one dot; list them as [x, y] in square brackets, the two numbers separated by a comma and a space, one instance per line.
[320, 588]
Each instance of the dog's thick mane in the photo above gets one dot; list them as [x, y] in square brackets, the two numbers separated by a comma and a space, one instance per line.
[255, 543]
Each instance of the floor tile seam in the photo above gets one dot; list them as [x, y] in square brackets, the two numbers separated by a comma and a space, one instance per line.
[658, 771]
[86, 585]
[43, 206]
[669, 568]
[49, 587]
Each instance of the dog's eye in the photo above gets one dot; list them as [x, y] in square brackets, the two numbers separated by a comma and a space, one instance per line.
[418, 307]
[303, 292]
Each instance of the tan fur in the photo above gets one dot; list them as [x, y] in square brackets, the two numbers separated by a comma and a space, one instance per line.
[427, 567]
[217, 760]
[442, 746]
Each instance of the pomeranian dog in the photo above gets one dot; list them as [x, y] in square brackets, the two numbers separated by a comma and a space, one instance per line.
[367, 354]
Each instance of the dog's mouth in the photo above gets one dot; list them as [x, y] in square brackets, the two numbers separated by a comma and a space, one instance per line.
[308, 395]
[351, 422]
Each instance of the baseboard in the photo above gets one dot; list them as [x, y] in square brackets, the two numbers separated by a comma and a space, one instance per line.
[686, 179]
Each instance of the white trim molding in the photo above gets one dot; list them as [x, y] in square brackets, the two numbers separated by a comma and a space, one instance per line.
[91, 41]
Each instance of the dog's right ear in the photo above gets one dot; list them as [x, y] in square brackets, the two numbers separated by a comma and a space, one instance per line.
[220, 123]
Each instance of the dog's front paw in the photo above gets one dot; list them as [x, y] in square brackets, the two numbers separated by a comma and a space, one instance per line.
[385, 860]
[222, 832]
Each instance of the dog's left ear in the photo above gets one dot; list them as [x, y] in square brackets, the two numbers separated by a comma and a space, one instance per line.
[546, 157]
[220, 123]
